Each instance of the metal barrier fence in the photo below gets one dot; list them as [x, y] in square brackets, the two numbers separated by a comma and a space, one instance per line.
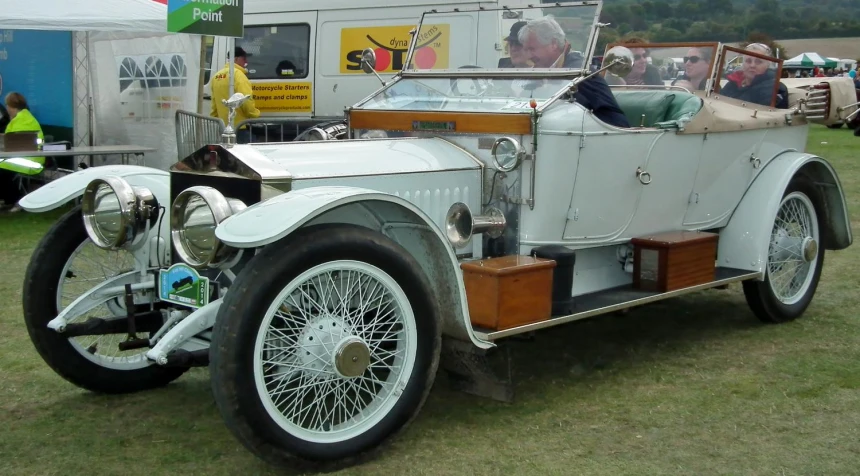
[286, 129]
[194, 131]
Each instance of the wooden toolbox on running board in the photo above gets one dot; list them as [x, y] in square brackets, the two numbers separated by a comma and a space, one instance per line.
[674, 260]
[509, 291]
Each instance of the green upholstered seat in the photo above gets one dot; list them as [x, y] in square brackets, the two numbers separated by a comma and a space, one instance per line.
[661, 108]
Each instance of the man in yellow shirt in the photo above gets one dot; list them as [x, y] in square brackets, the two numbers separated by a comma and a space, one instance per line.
[241, 84]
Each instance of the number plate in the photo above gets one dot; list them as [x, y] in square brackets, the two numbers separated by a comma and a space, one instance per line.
[181, 284]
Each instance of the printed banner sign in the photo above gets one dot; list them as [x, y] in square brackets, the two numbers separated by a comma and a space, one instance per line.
[283, 97]
[206, 17]
[181, 284]
[391, 43]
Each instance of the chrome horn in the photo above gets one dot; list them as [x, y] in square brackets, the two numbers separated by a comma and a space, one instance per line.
[460, 224]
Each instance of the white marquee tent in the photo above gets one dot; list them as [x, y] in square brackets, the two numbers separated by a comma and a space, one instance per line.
[130, 74]
[85, 15]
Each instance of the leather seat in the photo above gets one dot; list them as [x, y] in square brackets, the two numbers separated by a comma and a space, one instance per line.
[660, 109]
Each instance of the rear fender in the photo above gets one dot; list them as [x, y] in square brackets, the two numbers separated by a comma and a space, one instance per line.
[59, 192]
[744, 241]
[396, 218]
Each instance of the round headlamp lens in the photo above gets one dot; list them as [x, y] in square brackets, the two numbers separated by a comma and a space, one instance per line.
[115, 213]
[107, 215]
[198, 229]
[197, 211]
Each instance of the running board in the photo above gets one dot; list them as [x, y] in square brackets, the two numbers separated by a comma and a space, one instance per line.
[617, 299]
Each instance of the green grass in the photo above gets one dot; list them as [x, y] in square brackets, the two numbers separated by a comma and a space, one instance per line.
[695, 385]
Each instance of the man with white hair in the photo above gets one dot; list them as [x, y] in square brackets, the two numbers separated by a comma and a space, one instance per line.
[546, 45]
[754, 82]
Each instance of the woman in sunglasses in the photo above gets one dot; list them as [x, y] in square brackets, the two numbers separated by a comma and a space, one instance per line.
[697, 65]
[642, 74]
[754, 82]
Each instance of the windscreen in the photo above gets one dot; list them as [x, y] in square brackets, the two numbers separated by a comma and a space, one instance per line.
[751, 76]
[544, 37]
[686, 65]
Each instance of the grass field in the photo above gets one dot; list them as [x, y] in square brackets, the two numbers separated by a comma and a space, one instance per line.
[695, 385]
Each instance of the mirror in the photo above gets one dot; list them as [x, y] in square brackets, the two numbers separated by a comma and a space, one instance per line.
[368, 60]
[622, 59]
[507, 154]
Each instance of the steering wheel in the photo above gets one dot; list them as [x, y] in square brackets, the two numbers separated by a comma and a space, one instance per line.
[478, 88]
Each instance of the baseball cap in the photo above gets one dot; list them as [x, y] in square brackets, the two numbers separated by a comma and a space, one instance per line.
[239, 52]
[515, 30]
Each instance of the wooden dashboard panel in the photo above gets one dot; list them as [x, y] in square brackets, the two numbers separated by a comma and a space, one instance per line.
[452, 122]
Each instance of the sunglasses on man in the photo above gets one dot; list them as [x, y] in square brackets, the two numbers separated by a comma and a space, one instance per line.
[639, 57]
[692, 59]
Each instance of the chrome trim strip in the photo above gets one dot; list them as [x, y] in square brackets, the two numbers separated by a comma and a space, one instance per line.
[512, 73]
[556, 321]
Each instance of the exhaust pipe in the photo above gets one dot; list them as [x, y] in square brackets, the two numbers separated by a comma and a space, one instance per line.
[460, 224]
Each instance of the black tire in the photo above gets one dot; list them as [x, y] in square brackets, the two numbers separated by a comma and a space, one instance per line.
[241, 315]
[836, 126]
[40, 286]
[759, 295]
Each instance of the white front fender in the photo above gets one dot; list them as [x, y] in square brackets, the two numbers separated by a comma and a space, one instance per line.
[274, 219]
[58, 192]
[744, 242]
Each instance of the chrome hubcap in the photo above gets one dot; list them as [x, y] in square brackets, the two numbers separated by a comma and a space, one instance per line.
[810, 249]
[352, 357]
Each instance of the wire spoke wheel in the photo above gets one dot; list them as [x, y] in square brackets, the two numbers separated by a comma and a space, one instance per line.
[90, 266]
[333, 351]
[325, 347]
[793, 250]
[66, 265]
[795, 256]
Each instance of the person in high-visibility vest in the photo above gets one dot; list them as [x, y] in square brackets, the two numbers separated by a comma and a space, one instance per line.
[241, 84]
[20, 120]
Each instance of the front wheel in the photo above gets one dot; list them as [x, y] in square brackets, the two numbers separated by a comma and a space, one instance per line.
[326, 345]
[65, 265]
[795, 257]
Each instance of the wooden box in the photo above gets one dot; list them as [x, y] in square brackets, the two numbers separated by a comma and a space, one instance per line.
[675, 260]
[509, 291]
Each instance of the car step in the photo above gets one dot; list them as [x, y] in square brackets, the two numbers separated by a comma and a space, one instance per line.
[618, 299]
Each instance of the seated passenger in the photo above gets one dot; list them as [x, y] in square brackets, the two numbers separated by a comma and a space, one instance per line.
[754, 82]
[518, 58]
[546, 45]
[20, 120]
[697, 65]
[642, 73]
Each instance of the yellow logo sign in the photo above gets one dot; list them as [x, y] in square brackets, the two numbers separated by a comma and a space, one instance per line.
[283, 97]
[391, 43]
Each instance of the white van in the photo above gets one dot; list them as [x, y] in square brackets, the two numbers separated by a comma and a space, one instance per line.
[306, 54]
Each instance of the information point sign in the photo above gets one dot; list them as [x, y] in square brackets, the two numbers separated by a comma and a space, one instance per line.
[206, 17]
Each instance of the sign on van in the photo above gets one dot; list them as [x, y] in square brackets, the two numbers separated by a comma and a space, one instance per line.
[206, 17]
[391, 43]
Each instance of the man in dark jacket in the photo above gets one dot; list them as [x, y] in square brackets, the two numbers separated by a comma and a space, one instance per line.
[546, 45]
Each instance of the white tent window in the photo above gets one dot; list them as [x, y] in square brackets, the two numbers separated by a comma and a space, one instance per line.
[131, 75]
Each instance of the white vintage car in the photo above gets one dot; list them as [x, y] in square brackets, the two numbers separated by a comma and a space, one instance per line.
[324, 283]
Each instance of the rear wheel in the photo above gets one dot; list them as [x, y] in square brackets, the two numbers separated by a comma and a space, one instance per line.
[795, 257]
[65, 265]
[325, 347]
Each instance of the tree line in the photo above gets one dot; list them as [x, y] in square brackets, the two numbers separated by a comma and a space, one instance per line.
[728, 21]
